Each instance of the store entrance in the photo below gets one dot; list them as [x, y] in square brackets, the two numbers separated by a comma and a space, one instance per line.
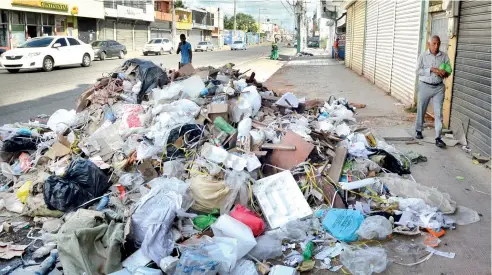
[32, 31]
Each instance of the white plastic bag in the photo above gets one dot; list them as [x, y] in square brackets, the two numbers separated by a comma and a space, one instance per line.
[224, 251]
[127, 86]
[364, 261]
[244, 267]
[267, 247]
[167, 93]
[61, 120]
[137, 87]
[237, 182]
[250, 98]
[226, 226]
[193, 86]
[375, 228]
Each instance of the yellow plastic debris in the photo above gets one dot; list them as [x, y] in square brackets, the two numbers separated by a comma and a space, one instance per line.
[23, 191]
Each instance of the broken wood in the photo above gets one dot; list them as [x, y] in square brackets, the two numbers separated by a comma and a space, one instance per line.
[283, 147]
[337, 165]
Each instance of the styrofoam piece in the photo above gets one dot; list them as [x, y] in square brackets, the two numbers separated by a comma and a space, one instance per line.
[280, 199]
[282, 270]
[357, 184]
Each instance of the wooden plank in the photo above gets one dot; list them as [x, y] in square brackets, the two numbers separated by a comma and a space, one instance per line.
[337, 165]
[284, 147]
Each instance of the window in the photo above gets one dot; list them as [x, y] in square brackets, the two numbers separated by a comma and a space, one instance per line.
[155, 41]
[109, 4]
[165, 40]
[238, 42]
[73, 41]
[202, 43]
[38, 42]
[62, 42]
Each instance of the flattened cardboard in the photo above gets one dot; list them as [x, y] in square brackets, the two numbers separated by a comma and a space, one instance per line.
[215, 110]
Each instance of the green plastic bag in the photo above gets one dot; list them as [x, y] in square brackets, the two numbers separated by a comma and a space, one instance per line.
[307, 254]
[202, 222]
[446, 67]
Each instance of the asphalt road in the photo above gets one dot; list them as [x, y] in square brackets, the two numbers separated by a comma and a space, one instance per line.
[30, 93]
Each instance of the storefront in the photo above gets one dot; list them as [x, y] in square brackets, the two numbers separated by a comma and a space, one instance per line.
[160, 29]
[23, 19]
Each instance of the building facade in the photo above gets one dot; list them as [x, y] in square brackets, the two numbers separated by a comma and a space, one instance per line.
[127, 22]
[162, 25]
[23, 19]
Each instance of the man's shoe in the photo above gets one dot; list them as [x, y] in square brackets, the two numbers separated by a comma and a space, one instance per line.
[419, 135]
[440, 143]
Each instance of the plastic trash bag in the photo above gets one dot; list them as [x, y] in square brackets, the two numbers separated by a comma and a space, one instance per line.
[399, 186]
[61, 120]
[375, 228]
[343, 223]
[131, 180]
[196, 262]
[248, 104]
[226, 226]
[152, 220]
[237, 182]
[151, 75]
[249, 218]
[267, 247]
[167, 93]
[223, 250]
[18, 143]
[82, 181]
[364, 261]
[464, 216]
[207, 193]
[244, 267]
[193, 86]
[134, 119]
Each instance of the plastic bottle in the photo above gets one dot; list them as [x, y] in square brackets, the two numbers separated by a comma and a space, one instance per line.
[47, 263]
[102, 203]
[223, 125]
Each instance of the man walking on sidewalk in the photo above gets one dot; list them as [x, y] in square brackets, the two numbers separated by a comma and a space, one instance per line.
[431, 86]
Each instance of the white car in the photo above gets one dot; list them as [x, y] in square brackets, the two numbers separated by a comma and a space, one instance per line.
[158, 46]
[46, 53]
[238, 45]
[204, 46]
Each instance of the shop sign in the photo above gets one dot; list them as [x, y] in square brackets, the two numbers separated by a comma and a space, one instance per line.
[41, 4]
[129, 12]
[75, 10]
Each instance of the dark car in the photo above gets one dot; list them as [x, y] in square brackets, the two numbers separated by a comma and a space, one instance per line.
[108, 48]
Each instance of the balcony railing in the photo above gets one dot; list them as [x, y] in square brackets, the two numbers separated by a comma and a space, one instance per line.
[159, 15]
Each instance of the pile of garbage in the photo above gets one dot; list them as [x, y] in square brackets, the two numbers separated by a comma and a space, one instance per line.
[206, 171]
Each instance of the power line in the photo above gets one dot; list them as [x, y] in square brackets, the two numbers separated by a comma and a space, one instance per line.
[285, 7]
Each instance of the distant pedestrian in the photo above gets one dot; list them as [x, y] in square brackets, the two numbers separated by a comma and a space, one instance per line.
[335, 48]
[185, 49]
[431, 86]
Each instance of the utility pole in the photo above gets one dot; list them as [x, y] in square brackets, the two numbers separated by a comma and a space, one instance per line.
[173, 27]
[235, 26]
[298, 10]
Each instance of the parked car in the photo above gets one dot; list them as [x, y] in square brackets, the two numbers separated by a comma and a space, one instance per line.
[46, 53]
[204, 46]
[238, 45]
[108, 48]
[158, 46]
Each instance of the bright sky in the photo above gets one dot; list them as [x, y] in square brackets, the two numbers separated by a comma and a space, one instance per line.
[272, 9]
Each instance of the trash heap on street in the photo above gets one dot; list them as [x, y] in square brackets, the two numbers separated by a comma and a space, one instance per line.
[206, 171]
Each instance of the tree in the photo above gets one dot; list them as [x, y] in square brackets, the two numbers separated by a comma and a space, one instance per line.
[179, 4]
[245, 22]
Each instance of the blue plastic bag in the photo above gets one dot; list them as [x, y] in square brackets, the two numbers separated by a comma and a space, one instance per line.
[343, 223]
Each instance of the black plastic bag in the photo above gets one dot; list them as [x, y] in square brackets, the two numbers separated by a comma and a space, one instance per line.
[390, 163]
[192, 131]
[83, 181]
[18, 143]
[151, 76]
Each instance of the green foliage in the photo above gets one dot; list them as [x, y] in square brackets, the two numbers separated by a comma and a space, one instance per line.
[245, 22]
[179, 4]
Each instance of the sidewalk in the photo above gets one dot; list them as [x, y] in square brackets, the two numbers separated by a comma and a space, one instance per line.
[319, 77]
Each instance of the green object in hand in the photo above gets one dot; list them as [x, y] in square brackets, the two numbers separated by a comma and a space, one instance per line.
[446, 67]
[308, 251]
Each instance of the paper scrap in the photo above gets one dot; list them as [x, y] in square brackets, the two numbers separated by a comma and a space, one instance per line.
[329, 252]
[450, 255]
[8, 251]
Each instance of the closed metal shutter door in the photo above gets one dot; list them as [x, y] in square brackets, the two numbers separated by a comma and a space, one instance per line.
[406, 50]
[471, 87]
[107, 30]
[358, 36]
[87, 29]
[371, 38]
[141, 35]
[384, 44]
[154, 34]
[348, 37]
[124, 34]
[195, 37]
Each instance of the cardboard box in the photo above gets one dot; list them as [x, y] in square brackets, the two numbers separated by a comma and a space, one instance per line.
[218, 109]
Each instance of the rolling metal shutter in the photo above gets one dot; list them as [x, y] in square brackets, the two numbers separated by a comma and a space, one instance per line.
[470, 105]
[141, 35]
[371, 38]
[406, 50]
[195, 37]
[348, 37]
[358, 36]
[384, 44]
[107, 31]
[124, 34]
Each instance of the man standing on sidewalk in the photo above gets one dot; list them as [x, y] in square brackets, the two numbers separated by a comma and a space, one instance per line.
[185, 49]
[431, 86]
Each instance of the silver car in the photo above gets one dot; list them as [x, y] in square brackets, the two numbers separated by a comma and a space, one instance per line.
[238, 45]
[204, 46]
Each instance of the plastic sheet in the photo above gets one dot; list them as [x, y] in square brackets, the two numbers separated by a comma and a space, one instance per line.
[196, 262]
[244, 267]
[364, 261]
[237, 182]
[343, 223]
[226, 226]
[267, 247]
[375, 228]
[61, 120]
[167, 93]
[151, 75]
